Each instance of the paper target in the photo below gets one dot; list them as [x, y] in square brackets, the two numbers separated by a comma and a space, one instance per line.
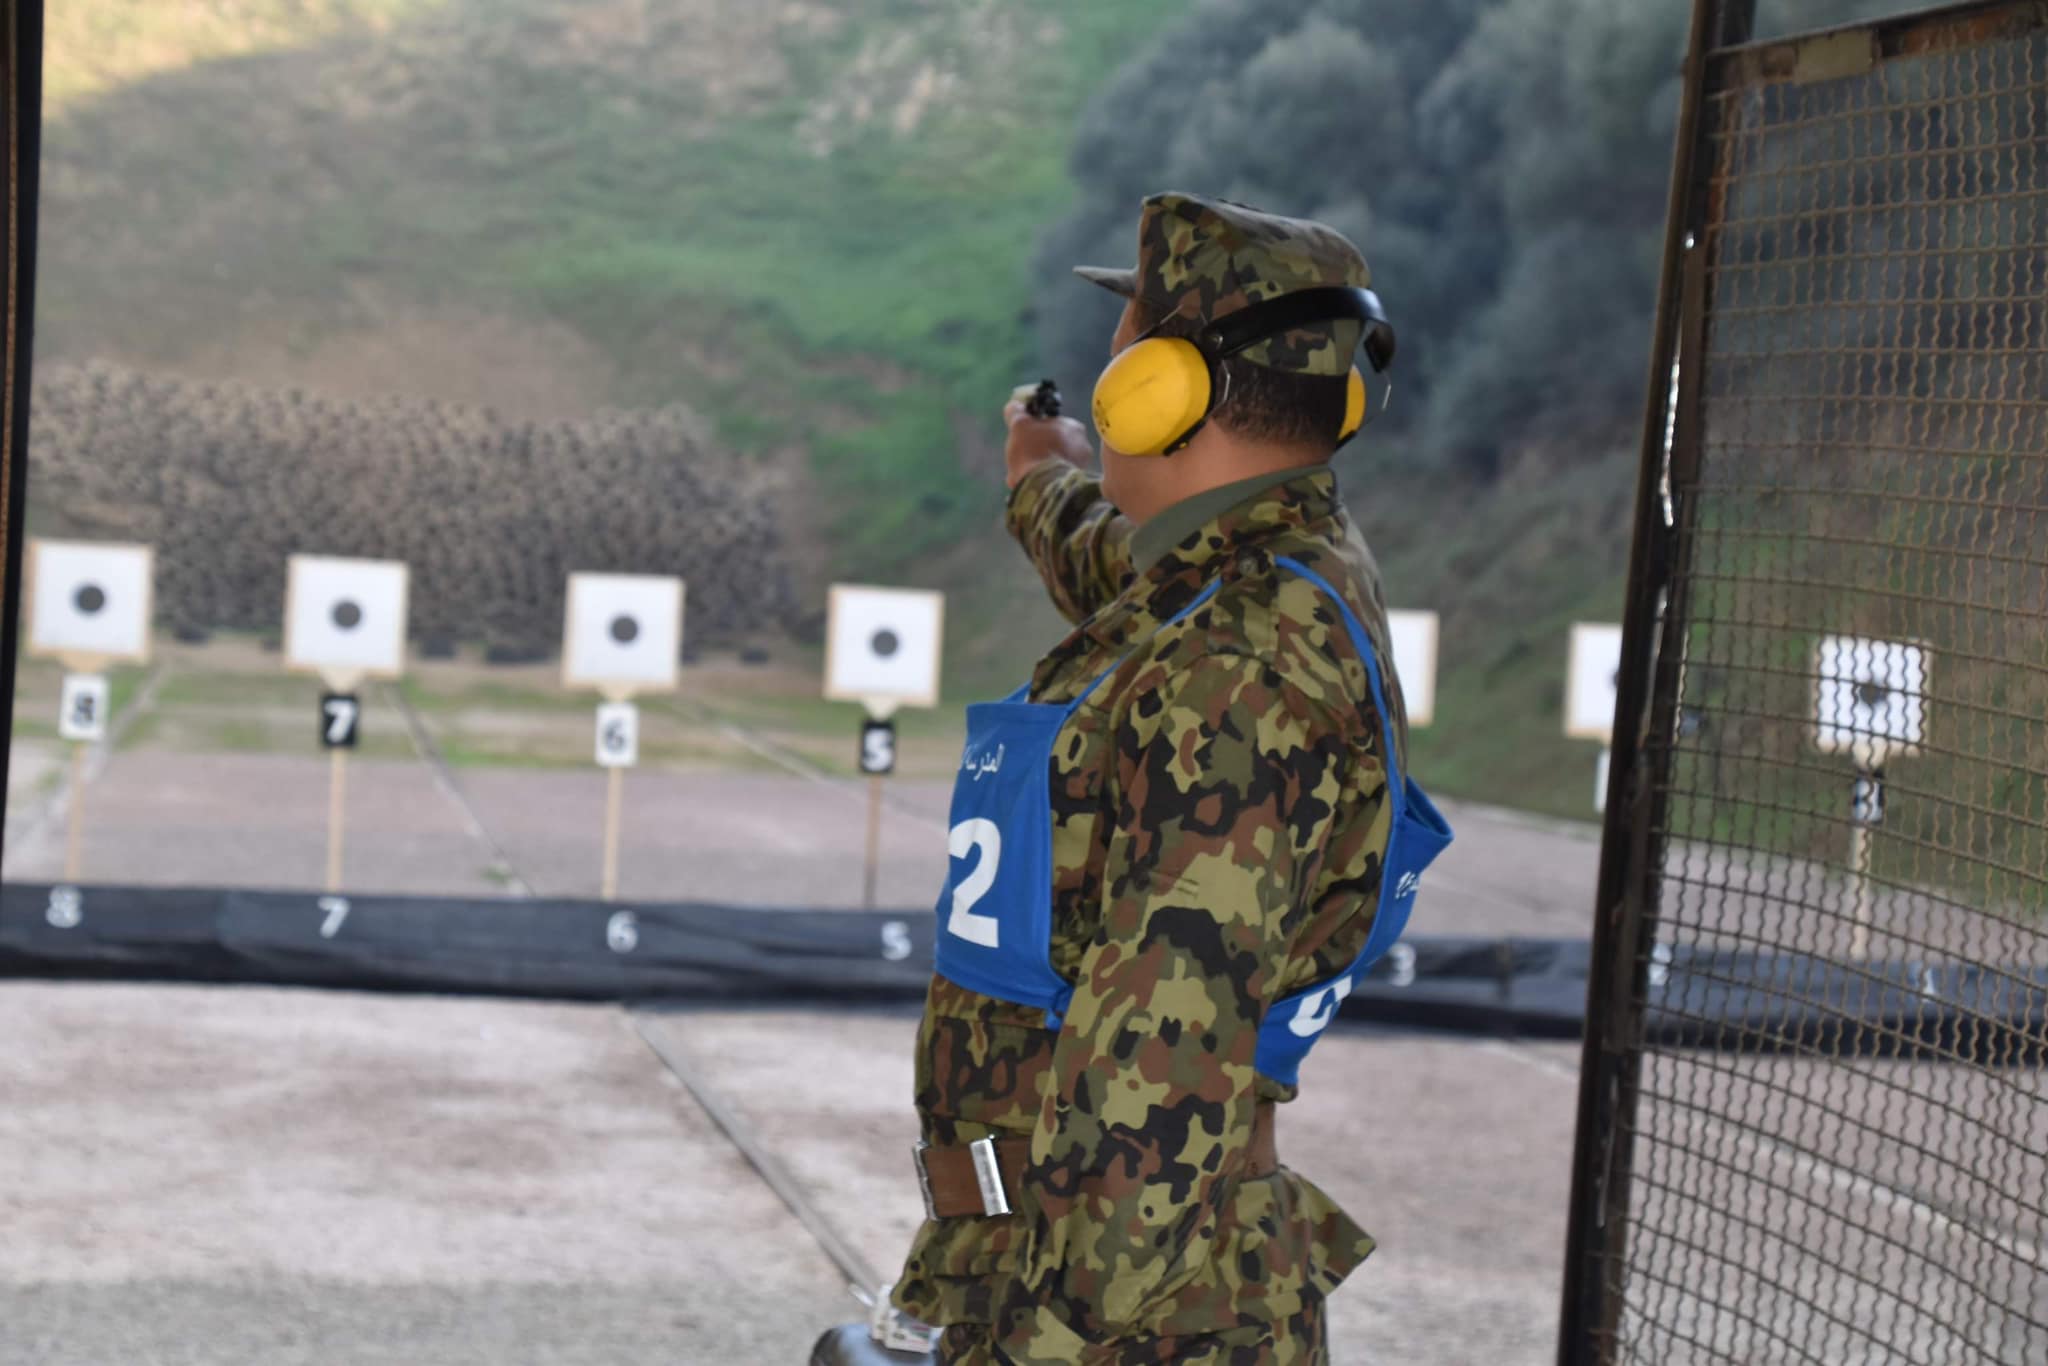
[882, 645]
[1870, 698]
[622, 633]
[89, 600]
[1413, 635]
[345, 619]
[1592, 681]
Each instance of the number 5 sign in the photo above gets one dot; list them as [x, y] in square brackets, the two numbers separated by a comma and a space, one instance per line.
[877, 748]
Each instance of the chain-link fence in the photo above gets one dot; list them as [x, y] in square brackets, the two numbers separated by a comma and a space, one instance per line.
[1816, 1125]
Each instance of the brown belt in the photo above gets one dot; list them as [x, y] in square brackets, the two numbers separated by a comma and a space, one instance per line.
[982, 1178]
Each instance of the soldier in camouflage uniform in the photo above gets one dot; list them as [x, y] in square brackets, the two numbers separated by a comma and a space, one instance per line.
[1219, 819]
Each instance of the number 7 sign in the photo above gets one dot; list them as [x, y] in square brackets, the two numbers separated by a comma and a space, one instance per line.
[339, 713]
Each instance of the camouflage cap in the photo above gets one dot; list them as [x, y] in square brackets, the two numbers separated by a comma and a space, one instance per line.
[1206, 258]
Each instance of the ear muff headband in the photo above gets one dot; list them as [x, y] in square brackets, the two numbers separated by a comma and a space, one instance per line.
[1247, 327]
[1158, 392]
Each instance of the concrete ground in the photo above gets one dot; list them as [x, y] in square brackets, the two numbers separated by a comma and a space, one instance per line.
[216, 1175]
[750, 838]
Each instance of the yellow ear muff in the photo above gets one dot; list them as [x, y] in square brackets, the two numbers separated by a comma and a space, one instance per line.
[1354, 406]
[1154, 393]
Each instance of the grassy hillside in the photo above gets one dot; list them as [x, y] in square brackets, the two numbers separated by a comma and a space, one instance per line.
[811, 222]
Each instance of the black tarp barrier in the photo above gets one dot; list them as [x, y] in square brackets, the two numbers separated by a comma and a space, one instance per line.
[590, 950]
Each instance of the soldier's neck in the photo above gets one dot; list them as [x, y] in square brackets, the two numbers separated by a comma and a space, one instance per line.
[1144, 487]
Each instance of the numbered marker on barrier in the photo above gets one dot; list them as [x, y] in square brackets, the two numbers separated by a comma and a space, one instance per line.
[622, 932]
[89, 600]
[1414, 636]
[618, 735]
[622, 633]
[82, 708]
[66, 908]
[340, 720]
[333, 915]
[896, 944]
[877, 748]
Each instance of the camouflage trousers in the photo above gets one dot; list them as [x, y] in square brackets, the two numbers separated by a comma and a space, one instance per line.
[1299, 1340]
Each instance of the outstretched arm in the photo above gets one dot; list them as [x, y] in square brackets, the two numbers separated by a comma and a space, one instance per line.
[1076, 540]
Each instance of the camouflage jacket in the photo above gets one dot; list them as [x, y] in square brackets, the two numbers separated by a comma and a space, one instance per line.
[1219, 818]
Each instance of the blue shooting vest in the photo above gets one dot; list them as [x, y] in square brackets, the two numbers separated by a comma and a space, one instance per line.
[995, 913]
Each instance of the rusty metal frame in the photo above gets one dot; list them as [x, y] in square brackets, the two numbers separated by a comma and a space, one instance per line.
[1610, 1066]
[21, 103]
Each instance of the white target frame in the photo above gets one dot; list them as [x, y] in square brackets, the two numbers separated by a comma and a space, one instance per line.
[857, 616]
[1870, 730]
[1413, 637]
[596, 655]
[319, 639]
[1591, 681]
[86, 638]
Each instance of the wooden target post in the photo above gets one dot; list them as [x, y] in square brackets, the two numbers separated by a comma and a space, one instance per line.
[882, 650]
[1869, 703]
[89, 605]
[344, 621]
[622, 636]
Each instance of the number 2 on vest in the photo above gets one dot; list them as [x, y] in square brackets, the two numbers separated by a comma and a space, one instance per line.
[966, 838]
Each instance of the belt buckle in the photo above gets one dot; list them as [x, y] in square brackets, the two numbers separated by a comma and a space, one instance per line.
[924, 1179]
[988, 1174]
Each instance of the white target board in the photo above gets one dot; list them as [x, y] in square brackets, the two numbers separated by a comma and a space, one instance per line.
[1592, 681]
[882, 645]
[622, 633]
[345, 619]
[89, 600]
[1869, 698]
[1413, 635]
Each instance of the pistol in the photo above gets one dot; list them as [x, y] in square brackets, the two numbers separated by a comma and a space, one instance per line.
[1044, 401]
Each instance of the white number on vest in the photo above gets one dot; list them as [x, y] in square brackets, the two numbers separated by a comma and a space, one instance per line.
[966, 838]
[1313, 1016]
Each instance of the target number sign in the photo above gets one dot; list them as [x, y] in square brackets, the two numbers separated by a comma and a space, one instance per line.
[618, 735]
[82, 707]
[1870, 698]
[345, 619]
[1592, 682]
[341, 714]
[622, 633]
[89, 600]
[877, 747]
[882, 645]
[1413, 635]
